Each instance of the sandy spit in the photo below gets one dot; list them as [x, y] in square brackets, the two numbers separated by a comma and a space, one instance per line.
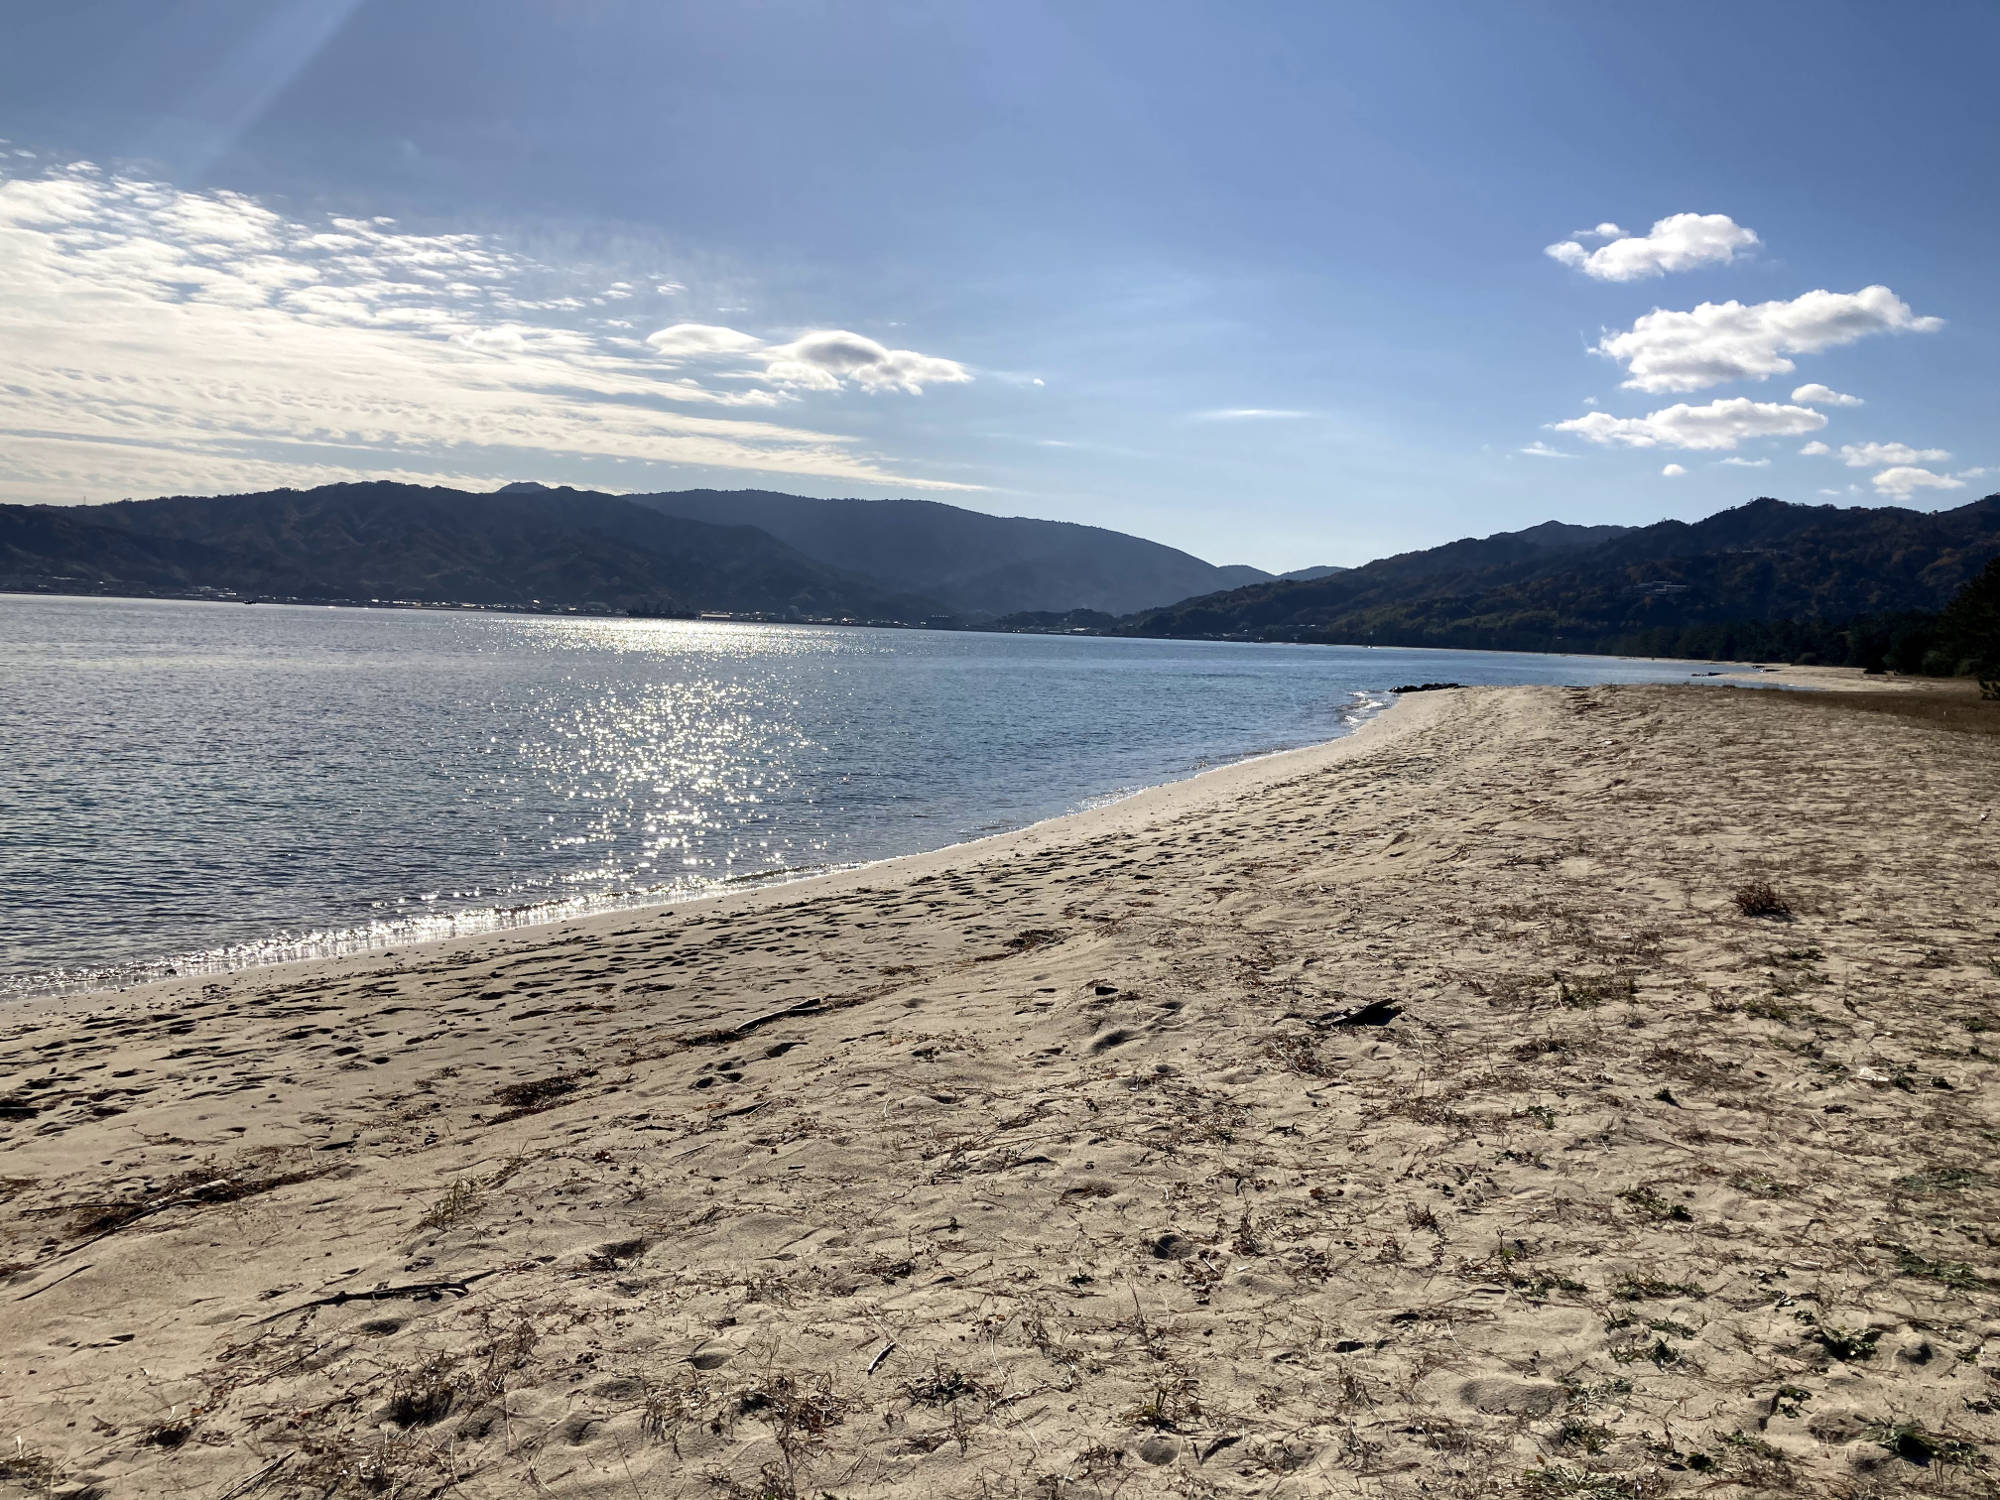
[1417, 1115]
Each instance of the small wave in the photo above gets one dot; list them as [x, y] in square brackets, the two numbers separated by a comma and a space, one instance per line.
[385, 935]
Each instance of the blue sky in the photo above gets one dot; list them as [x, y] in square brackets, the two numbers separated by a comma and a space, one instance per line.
[1269, 282]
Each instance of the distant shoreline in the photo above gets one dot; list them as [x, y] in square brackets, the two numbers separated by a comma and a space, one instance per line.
[718, 618]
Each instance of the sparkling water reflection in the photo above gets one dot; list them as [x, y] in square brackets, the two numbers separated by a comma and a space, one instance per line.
[204, 786]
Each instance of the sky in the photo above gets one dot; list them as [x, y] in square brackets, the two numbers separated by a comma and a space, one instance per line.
[1276, 283]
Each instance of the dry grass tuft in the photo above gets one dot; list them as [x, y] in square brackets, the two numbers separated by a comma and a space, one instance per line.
[1759, 898]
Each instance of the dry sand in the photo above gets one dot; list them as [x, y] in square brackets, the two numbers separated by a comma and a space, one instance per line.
[1048, 1166]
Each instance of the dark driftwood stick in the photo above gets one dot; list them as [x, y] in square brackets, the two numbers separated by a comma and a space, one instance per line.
[458, 1286]
[1374, 1013]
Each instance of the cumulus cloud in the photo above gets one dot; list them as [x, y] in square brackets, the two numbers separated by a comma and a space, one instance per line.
[1674, 471]
[1543, 450]
[1723, 341]
[1814, 449]
[1746, 463]
[1679, 242]
[1720, 425]
[1815, 394]
[1874, 455]
[1904, 481]
[161, 340]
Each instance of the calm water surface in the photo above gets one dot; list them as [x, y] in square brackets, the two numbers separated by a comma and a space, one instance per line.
[198, 786]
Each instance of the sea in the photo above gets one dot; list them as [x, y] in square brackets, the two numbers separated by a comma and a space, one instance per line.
[191, 787]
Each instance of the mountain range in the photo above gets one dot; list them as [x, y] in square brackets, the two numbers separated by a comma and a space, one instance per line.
[1674, 588]
[528, 545]
[357, 543]
[973, 565]
[1765, 578]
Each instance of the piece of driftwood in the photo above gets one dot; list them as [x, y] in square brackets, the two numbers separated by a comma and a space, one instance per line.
[457, 1286]
[1374, 1013]
[744, 1028]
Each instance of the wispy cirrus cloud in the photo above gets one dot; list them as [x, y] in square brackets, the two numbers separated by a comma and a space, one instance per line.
[1249, 414]
[159, 339]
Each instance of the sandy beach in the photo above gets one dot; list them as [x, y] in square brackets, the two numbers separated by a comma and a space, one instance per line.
[1415, 1115]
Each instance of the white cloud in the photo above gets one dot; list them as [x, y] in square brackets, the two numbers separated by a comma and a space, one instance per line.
[1873, 455]
[819, 361]
[1814, 449]
[1815, 394]
[1674, 471]
[1746, 463]
[702, 338]
[1904, 481]
[1722, 341]
[165, 340]
[822, 360]
[1248, 414]
[1679, 242]
[1543, 450]
[1979, 473]
[1720, 425]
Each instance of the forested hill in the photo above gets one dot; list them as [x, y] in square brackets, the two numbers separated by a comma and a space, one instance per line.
[357, 543]
[975, 565]
[1675, 588]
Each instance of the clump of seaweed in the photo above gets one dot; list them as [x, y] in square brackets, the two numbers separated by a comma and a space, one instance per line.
[1920, 1446]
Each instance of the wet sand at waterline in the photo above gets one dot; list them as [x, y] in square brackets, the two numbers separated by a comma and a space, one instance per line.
[1417, 1114]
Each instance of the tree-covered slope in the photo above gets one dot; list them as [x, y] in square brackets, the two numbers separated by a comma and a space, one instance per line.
[975, 564]
[359, 542]
[1653, 588]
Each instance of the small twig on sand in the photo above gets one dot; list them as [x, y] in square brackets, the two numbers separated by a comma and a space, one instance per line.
[887, 1350]
[245, 1486]
[57, 1282]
